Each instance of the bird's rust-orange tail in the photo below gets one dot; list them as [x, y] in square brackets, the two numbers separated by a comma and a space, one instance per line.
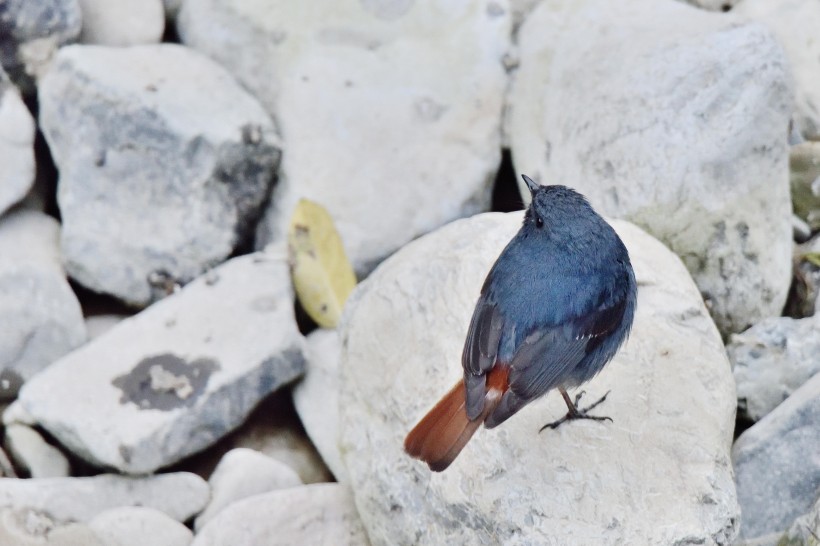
[441, 434]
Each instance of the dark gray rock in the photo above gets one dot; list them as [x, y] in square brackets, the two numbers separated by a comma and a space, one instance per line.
[30, 33]
[177, 377]
[159, 179]
[777, 468]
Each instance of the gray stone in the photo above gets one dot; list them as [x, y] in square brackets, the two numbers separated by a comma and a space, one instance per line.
[316, 397]
[638, 105]
[40, 317]
[805, 531]
[274, 430]
[795, 24]
[26, 527]
[158, 180]
[180, 495]
[31, 32]
[804, 169]
[16, 144]
[312, 514]
[243, 473]
[139, 526]
[402, 105]
[771, 360]
[33, 454]
[660, 474]
[172, 8]
[122, 22]
[801, 232]
[776, 465]
[178, 376]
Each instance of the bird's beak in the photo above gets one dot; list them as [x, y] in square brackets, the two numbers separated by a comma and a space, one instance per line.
[531, 184]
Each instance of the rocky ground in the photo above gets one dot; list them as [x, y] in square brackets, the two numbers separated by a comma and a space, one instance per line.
[160, 387]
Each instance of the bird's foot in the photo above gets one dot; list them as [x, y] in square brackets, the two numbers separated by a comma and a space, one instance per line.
[575, 413]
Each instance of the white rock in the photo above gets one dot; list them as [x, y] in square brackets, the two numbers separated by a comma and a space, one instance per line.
[714, 5]
[795, 24]
[158, 180]
[178, 376]
[40, 317]
[16, 145]
[772, 359]
[97, 325]
[122, 22]
[806, 528]
[139, 526]
[640, 106]
[32, 453]
[403, 106]
[320, 515]
[25, 527]
[243, 473]
[660, 474]
[15, 414]
[777, 468]
[316, 397]
[180, 495]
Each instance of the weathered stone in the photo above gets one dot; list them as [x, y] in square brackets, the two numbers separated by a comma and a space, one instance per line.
[40, 317]
[243, 473]
[776, 465]
[638, 105]
[805, 531]
[179, 495]
[795, 24]
[31, 32]
[122, 22]
[316, 397]
[33, 454]
[16, 144]
[672, 400]
[175, 378]
[159, 181]
[772, 359]
[311, 514]
[403, 106]
[26, 527]
[139, 526]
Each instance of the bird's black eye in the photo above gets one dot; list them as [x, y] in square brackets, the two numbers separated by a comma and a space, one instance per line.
[539, 223]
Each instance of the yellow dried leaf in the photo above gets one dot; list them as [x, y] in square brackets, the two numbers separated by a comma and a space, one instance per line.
[322, 275]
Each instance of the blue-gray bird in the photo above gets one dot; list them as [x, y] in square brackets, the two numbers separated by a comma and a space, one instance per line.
[554, 309]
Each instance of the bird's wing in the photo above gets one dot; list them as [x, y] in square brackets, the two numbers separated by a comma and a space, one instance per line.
[548, 356]
[480, 351]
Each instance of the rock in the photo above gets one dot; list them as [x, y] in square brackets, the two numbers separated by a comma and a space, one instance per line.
[138, 526]
[806, 529]
[172, 8]
[600, 80]
[27, 527]
[180, 495]
[672, 400]
[794, 24]
[122, 22]
[15, 414]
[40, 317]
[777, 470]
[316, 397]
[243, 473]
[16, 143]
[274, 430]
[714, 5]
[801, 232]
[311, 514]
[97, 325]
[407, 125]
[143, 152]
[33, 454]
[30, 34]
[178, 376]
[804, 169]
[771, 360]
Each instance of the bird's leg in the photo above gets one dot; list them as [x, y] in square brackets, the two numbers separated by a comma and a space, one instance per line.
[574, 412]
